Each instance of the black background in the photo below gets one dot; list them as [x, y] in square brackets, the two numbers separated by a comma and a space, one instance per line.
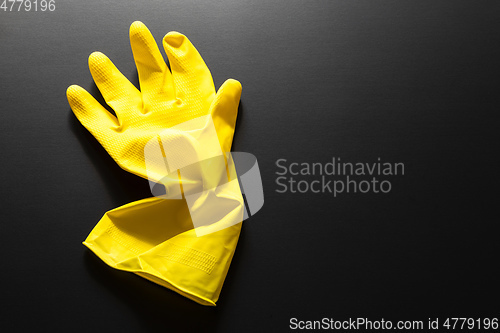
[408, 81]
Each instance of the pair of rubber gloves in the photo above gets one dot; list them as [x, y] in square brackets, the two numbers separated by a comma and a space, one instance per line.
[155, 237]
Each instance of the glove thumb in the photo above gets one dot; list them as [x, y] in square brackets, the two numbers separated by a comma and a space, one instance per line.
[224, 110]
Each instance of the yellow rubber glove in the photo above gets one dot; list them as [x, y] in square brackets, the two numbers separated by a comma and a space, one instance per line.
[154, 237]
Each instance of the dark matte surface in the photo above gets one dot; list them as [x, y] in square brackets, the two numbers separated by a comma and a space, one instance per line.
[409, 81]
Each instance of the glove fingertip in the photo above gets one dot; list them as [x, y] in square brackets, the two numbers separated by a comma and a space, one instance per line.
[137, 25]
[72, 90]
[95, 56]
[232, 87]
[97, 61]
[138, 30]
[174, 39]
[73, 94]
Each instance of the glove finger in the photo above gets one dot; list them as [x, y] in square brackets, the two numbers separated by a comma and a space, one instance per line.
[224, 110]
[117, 90]
[93, 116]
[154, 75]
[190, 74]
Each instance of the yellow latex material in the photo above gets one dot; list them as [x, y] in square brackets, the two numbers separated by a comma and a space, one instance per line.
[154, 237]
[140, 238]
[166, 98]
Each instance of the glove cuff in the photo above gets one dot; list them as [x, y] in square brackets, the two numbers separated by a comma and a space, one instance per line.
[194, 267]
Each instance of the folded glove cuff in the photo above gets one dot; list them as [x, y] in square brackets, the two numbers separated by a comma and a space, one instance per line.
[195, 267]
